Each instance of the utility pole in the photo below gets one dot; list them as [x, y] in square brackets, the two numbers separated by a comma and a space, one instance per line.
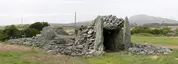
[22, 21]
[163, 26]
[75, 21]
[23, 35]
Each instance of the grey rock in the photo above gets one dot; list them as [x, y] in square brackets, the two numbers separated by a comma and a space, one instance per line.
[127, 34]
[80, 46]
[90, 31]
[48, 33]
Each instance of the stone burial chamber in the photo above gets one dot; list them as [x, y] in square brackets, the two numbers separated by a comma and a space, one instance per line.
[105, 34]
[109, 42]
[113, 34]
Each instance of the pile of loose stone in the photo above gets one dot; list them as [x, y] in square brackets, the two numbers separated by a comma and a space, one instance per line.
[148, 49]
[85, 39]
[111, 22]
[50, 40]
[86, 35]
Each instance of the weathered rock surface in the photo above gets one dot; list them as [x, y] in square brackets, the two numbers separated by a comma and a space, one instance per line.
[126, 34]
[48, 33]
[111, 22]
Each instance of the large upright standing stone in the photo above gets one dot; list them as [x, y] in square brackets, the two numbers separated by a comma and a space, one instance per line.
[126, 35]
[119, 40]
[98, 43]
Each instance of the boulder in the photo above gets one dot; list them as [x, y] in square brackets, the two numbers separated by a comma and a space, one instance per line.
[48, 33]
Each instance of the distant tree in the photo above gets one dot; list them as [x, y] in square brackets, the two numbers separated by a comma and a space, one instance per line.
[158, 24]
[140, 29]
[59, 27]
[177, 31]
[45, 24]
[30, 32]
[162, 31]
[156, 31]
[12, 32]
[1, 32]
[39, 25]
[165, 30]
[3, 37]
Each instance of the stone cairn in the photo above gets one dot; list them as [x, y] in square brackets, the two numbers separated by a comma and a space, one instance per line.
[90, 40]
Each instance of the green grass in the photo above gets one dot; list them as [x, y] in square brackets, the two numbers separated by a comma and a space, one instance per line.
[163, 40]
[124, 58]
[17, 57]
[37, 57]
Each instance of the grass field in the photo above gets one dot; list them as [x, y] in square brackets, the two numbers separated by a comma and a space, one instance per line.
[157, 40]
[14, 54]
[124, 58]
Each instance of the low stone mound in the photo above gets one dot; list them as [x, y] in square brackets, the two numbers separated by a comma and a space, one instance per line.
[61, 31]
[49, 32]
[50, 40]
[148, 49]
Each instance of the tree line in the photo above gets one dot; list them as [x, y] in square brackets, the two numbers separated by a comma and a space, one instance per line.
[12, 32]
[154, 31]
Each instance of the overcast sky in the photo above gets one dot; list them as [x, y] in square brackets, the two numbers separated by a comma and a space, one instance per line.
[62, 11]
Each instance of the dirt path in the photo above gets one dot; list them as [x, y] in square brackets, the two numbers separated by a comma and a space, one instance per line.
[14, 48]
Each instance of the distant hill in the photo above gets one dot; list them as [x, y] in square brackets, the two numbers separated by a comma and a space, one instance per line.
[72, 24]
[138, 19]
[145, 19]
